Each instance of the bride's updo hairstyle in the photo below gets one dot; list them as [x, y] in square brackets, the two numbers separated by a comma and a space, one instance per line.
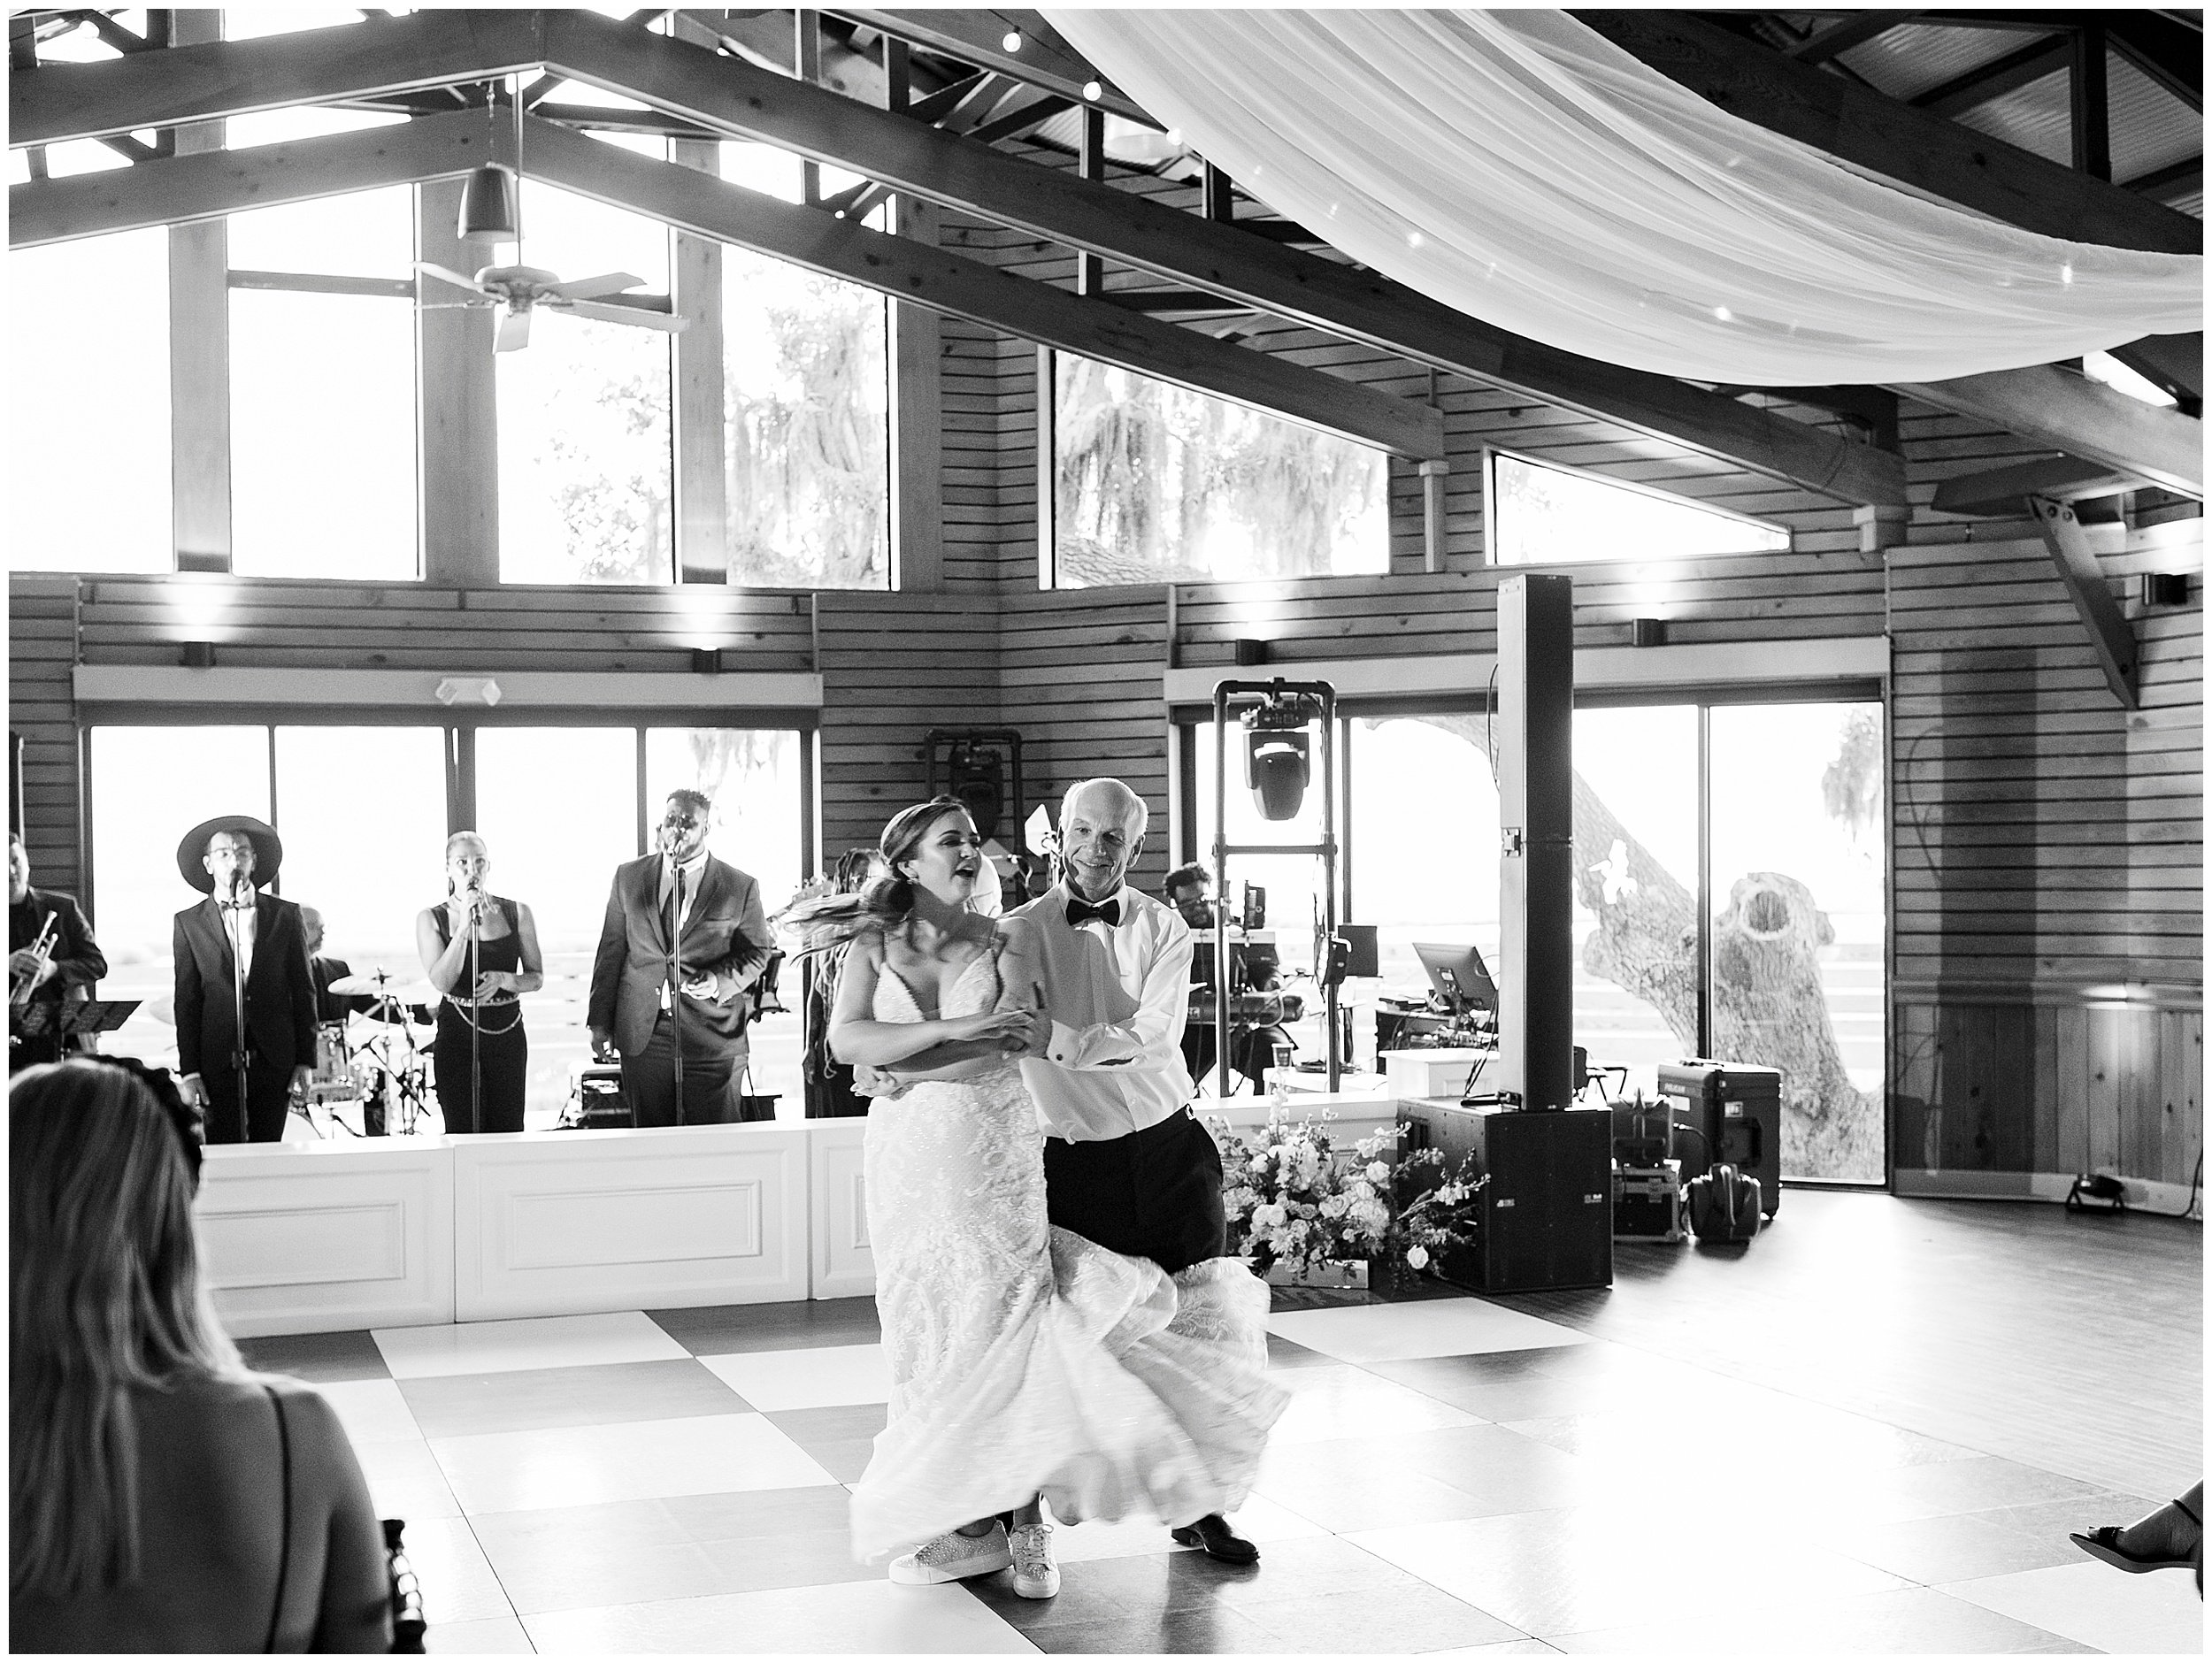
[886, 898]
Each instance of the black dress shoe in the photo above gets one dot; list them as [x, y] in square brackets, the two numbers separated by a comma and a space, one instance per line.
[1213, 1534]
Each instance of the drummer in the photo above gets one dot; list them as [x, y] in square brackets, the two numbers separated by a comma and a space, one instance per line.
[482, 1053]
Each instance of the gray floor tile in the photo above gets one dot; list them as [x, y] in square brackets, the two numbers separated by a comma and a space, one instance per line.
[1909, 1621]
[1284, 1354]
[350, 1355]
[599, 1394]
[1208, 1631]
[1312, 1567]
[1415, 1618]
[1113, 1591]
[718, 1330]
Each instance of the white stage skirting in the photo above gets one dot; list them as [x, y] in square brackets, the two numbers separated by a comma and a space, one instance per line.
[392, 1232]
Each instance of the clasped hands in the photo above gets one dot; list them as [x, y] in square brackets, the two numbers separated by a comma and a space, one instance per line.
[1019, 1032]
[23, 961]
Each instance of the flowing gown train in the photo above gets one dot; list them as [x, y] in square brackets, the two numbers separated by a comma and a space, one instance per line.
[1026, 1359]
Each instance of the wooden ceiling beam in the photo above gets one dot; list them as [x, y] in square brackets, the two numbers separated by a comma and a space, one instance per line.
[916, 274]
[1892, 138]
[177, 190]
[378, 56]
[2082, 418]
[1825, 44]
[1999, 491]
[978, 37]
[747, 103]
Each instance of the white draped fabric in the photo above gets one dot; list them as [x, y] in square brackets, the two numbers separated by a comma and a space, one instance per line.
[1518, 166]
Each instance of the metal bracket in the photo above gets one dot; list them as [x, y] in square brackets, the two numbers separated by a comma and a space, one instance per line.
[2110, 635]
[1509, 843]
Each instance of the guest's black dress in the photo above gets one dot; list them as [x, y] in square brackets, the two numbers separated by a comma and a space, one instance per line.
[503, 1048]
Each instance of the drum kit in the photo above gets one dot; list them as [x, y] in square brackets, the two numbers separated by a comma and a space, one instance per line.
[373, 1063]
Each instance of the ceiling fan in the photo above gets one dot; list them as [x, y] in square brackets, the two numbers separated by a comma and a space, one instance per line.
[523, 289]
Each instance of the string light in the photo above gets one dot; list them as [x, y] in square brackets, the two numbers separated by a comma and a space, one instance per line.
[1413, 239]
[1723, 314]
[1093, 91]
[1013, 41]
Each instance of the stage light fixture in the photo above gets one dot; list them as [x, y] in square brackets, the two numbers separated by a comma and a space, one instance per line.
[198, 656]
[706, 661]
[1250, 653]
[1278, 753]
[2165, 588]
[1649, 631]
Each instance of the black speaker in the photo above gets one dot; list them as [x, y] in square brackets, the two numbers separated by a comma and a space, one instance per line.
[975, 776]
[1547, 1208]
[1535, 766]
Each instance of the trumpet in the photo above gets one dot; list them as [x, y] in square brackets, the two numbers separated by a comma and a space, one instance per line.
[42, 951]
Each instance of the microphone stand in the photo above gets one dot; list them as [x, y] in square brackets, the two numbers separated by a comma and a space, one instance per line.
[676, 991]
[239, 1055]
[476, 1015]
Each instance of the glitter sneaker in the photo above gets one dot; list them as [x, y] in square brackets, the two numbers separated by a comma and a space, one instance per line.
[953, 1556]
[1035, 1576]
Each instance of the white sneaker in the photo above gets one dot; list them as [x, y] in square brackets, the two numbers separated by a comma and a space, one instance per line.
[1035, 1576]
[953, 1557]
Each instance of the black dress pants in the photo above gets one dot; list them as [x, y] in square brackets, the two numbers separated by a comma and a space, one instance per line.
[1154, 1194]
[268, 1099]
[502, 1060]
[648, 1080]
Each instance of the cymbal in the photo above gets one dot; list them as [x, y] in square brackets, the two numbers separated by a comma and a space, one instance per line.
[409, 990]
[388, 1009]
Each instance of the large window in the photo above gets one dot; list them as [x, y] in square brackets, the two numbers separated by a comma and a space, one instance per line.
[1786, 969]
[586, 468]
[805, 408]
[1154, 484]
[1541, 512]
[364, 813]
[89, 405]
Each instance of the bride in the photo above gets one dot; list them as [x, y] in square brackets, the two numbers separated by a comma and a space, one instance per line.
[1027, 1364]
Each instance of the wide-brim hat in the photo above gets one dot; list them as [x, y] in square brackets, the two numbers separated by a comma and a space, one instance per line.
[268, 850]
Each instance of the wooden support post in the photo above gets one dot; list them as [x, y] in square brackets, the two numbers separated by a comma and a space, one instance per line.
[898, 84]
[2091, 105]
[1090, 270]
[1047, 473]
[701, 492]
[806, 54]
[459, 425]
[1434, 476]
[2110, 635]
[1213, 195]
[199, 356]
[918, 439]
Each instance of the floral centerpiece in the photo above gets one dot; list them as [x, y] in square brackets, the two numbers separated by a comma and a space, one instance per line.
[1292, 1199]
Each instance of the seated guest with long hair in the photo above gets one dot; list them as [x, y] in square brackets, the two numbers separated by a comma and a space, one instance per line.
[161, 1498]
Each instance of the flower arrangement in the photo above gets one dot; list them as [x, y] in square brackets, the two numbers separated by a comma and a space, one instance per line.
[1292, 1198]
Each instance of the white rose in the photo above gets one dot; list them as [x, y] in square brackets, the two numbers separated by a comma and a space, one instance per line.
[1418, 1257]
[1377, 1172]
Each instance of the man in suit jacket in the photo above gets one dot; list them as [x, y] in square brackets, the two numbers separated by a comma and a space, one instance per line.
[661, 1007]
[67, 974]
[238, 929]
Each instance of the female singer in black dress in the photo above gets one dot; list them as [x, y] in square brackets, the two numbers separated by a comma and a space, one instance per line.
[483, 1054]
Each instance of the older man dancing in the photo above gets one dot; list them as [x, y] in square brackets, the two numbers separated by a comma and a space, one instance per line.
[1126, 1164]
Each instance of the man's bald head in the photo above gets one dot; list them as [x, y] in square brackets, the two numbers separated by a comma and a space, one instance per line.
[1101, 829]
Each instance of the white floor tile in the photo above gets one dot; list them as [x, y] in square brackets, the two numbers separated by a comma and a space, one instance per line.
[1496, 1648]
[457, 1582]
[2158, 1614]
[1423, 1328]
[372, 1411]
[537, 1341]
[578, 1466]
[816, 1379]
[849, 1617]
[405, 1481]
[492, 1636]
[1338, 1400]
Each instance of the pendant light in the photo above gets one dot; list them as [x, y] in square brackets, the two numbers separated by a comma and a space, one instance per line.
[490, 212]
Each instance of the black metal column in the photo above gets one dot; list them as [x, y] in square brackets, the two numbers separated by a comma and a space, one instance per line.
[1535, 770]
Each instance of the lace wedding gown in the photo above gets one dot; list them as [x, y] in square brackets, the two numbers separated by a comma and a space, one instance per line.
[1026, 1359]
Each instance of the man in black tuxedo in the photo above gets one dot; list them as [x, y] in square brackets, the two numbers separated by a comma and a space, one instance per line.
[658, 1006]
[65, 974]
[240, 943]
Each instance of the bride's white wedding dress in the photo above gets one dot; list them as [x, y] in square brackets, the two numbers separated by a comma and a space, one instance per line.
[1026, 1359]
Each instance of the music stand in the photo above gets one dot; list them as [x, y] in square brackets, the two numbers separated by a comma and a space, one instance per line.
[87, 1017]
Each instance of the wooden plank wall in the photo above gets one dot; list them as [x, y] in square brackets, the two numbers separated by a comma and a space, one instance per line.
[41, 708]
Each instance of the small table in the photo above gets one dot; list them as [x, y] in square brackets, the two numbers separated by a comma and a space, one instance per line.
[1288, 1082]
[1441, 1071]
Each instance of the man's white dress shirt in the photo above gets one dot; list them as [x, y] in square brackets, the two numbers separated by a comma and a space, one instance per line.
[241, 924]
[1117, 995]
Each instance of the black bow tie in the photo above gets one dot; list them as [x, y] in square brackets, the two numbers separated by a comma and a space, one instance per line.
[235, 906]
[1107, 912]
